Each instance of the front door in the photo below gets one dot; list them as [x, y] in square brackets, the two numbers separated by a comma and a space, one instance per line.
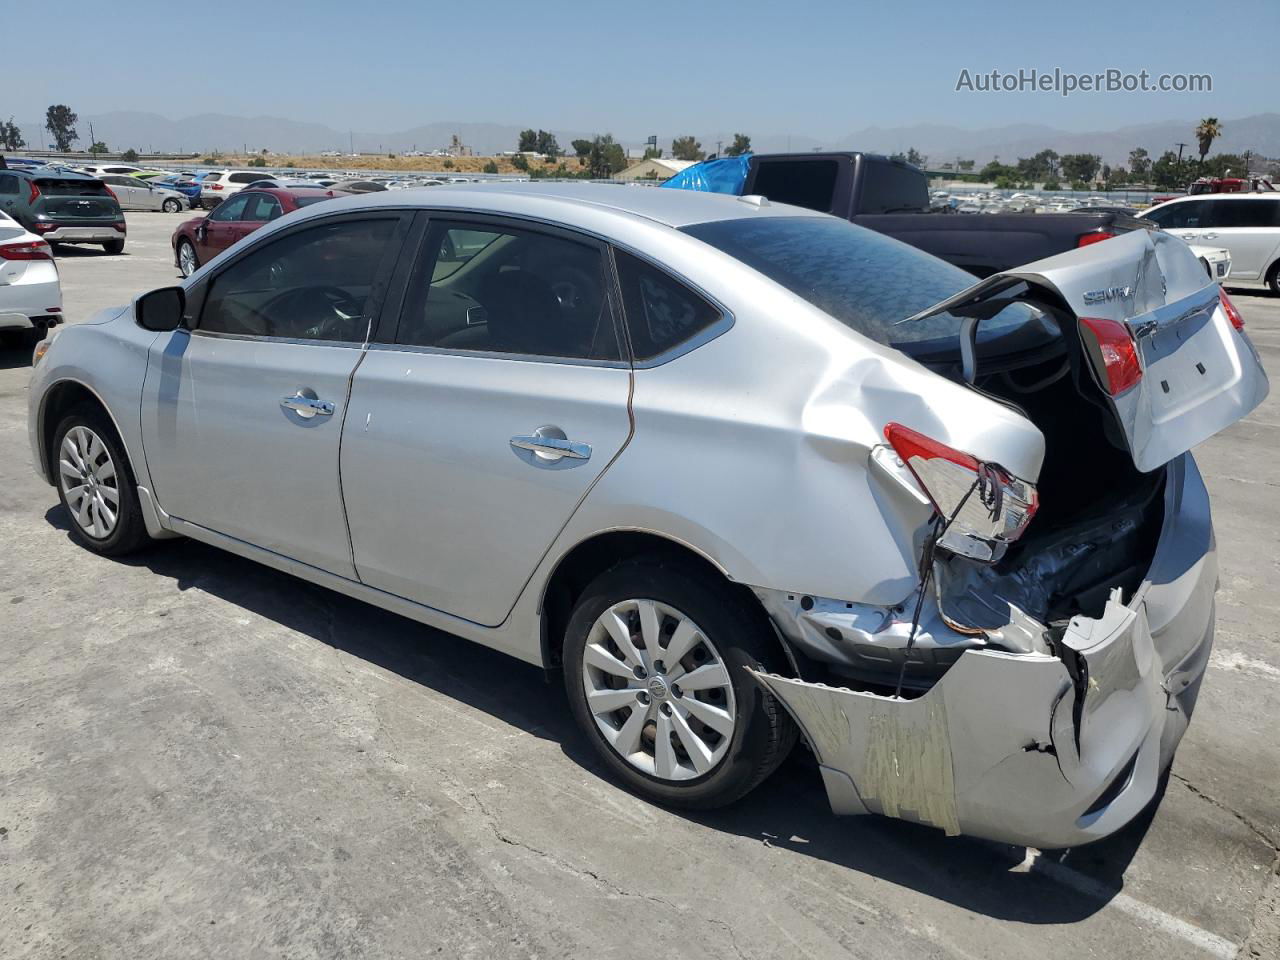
[242, 416]
[220, 229]
[477, 426]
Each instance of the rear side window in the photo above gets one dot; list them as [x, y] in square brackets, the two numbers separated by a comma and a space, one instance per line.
[505, 289]
[1245, 213]
[244, 177]
[71, 188]
[8, 183]
[315, 284]
[661, 312]
[261, 208]
[888, 187]
[805, 183]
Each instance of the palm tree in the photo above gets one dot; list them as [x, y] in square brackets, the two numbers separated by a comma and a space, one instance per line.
[1208, 131]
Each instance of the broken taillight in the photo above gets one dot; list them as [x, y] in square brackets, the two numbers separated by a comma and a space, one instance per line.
[984, 505]
[1229, 308]
[1088, 239]
[1117, 353]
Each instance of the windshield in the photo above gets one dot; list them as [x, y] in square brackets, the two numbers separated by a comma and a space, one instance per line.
[864, 279]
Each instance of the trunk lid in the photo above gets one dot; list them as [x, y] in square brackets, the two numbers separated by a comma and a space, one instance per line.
[1141, 304]
[75, 199]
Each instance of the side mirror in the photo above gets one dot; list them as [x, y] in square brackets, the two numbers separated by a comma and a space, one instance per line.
[160, 310]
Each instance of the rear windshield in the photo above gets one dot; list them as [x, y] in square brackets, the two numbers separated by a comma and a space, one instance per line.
[803, 183]
[864, 279]
[71, 188]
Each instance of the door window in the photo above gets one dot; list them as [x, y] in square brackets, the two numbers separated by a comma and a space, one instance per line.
[1245, 213]
[1180, 216]
[8, 183]
[228, 210]
[261, 208]
[244, 177]
[509, 290]
[661, 312]
[314, 284]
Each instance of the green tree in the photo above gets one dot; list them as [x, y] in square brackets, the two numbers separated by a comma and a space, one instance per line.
[1224, 165]
[1052, 184]
[686, 148]
[520, 162]
[547, 146]
[131, 156]
[98, 147]
[61, 121]
[1166, 173]
[255, 162]
[11, 136]
[652, 153]
[528, 141]
[448, 163]
[914, 157]
[1080, 167]
[741, 144]
[491, 167]
[1139, 164]
[966, 165]
[582, 148]
[1208, 130]
[606, 157]
[995, 170]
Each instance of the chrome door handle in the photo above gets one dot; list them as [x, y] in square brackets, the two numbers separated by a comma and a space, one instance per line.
[1211, 236]
[305, 406]
[553, 448]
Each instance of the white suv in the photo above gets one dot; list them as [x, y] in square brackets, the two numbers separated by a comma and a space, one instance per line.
[1246, 224]
[217, 185]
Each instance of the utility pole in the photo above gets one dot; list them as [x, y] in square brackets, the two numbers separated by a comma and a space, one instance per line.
[351, 141]
[92, 141]
[1180, 146]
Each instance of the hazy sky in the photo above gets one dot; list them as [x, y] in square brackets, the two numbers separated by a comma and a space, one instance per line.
[817, 67]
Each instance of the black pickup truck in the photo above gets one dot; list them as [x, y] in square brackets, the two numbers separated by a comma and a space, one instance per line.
[892, 197]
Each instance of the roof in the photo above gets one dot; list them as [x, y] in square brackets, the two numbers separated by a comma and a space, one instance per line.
[575, 203]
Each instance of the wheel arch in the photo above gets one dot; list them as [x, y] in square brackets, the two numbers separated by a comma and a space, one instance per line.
[593, 555]
[60, 399]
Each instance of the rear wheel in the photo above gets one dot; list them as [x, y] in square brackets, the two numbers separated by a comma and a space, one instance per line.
[188, 262]
[656, 656]
[96, 484]
[114, 246]
[1273, 279]
[171, 205]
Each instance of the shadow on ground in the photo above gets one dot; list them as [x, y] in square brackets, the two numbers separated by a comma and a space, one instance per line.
[788, 811]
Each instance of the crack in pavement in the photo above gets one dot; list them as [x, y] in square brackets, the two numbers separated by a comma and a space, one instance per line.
[1258, 831]
[562, 864]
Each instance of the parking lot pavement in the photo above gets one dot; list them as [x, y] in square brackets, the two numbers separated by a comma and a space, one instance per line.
[202, 757]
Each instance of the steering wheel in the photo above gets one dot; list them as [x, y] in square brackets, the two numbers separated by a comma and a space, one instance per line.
[305, 302]
[578, 293]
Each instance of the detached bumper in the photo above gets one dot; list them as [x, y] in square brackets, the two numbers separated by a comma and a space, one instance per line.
[1036, 749]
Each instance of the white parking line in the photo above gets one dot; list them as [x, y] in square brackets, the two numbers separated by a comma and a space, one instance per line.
[1197, 936]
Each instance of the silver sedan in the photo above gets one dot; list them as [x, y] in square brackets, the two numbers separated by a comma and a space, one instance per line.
[738, 472]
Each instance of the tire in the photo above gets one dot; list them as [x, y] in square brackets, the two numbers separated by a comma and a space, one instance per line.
[1273, 279]
[188, 262]
[171, 205]
[94, 443]
[114, 247]
[685, 601]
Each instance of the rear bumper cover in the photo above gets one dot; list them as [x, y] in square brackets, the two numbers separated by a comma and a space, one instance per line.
[65, 233]
[1036, 749]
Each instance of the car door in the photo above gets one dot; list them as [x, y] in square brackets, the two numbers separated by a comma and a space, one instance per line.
[477, 425]
[242, 414]
[260, 209]
[221, 228]
[1247, 226]
[1182, 218]
[9, 184]
[123, 191]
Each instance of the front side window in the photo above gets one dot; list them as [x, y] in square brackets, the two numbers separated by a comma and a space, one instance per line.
[316, 284]
[502, 289]
[232, 209]
[661, 312]
[1180, 216]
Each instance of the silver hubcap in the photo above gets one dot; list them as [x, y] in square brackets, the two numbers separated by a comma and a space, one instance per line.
[658, 690]
[187, 259]
[89, 482]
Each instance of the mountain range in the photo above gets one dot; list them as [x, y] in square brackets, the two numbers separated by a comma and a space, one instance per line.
[206, 132]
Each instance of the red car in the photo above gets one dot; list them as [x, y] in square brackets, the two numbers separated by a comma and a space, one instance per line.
[199, 240]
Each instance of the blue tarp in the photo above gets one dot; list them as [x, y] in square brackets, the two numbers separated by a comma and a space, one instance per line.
[725, 175]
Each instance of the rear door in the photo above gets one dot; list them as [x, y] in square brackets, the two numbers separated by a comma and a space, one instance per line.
[128, 193]
[479, 424]
[1247, 226]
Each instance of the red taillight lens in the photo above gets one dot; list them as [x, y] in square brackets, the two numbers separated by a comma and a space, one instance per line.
[990, 506]
[35, 192]
[1085, 239]
[111, 193]
[39, 226]
[1229, 308]
[215, 186]
[1117, 351]
[119, 225]
[28, 250]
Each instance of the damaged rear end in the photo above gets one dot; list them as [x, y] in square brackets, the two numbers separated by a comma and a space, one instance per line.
[1035, 685]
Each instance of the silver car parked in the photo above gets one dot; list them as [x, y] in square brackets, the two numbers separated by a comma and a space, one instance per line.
[135, 194]
[739, 472]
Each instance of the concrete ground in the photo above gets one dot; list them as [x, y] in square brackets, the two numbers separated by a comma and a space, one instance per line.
[200, 757]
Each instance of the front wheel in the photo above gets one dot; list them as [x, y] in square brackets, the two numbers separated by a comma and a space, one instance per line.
[96, 485]
[114, 247]
[171, 206]
[655, 662]
[188, 262]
